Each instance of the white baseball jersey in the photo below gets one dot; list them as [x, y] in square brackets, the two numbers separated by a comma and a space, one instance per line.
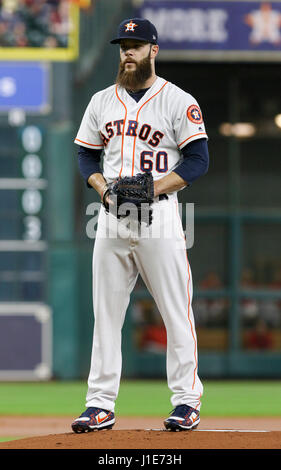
[141, 136]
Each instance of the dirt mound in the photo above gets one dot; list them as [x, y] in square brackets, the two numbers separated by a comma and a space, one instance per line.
[151, 439]
[51, 432]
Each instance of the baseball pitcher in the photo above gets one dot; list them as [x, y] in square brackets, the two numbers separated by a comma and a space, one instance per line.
[151, 137]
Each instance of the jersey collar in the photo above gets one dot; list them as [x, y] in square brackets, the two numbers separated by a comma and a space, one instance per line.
[124, 95]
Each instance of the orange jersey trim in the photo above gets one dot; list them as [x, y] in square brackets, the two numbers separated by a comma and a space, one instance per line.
[123, 130]
[194, 135]
[87, 143]
[135, 138]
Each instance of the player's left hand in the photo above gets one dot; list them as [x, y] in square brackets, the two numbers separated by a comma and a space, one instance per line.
[135, 192]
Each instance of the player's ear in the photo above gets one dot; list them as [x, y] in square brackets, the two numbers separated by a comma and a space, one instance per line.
[154, 51]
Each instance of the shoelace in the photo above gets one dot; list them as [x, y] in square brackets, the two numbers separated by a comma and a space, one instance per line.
[90, 411]
[181, 409]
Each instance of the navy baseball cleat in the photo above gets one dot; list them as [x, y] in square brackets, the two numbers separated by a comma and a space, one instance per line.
[93, 419]
[183, 418]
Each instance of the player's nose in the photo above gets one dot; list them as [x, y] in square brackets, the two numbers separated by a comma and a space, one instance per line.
[129, 52]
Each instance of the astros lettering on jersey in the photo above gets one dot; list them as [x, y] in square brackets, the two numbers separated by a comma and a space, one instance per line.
[148, 135]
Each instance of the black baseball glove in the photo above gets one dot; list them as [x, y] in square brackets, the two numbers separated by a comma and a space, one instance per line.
[131, 195]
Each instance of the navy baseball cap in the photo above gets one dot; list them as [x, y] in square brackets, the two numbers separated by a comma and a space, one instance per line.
[136, 28]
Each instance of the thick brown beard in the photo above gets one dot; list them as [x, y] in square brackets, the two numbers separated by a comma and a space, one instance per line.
[134, 80]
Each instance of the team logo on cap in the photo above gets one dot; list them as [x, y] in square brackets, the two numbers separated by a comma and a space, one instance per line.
[194, 114]
[130, 26]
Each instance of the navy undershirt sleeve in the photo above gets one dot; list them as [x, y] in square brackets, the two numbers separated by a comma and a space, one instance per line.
[195, 161]
[89, 162]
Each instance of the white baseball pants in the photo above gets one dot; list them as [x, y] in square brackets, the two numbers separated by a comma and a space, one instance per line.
[159, 256]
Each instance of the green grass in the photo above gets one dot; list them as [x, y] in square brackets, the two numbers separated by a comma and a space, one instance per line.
[249, 398]
[40, 398]
[150, 398]
[5, 439]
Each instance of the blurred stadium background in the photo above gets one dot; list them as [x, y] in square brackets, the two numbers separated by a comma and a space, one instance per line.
[53, 56]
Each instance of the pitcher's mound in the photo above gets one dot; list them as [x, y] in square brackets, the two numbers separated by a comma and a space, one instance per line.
[152, 439]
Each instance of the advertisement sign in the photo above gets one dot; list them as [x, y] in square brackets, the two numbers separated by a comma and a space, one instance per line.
[217, 29]
[24, 85]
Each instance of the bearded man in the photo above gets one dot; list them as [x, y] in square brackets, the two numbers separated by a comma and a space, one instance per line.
[142, 123]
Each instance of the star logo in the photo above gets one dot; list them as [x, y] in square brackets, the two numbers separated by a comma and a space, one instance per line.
[265, 24]
[131, 26]
[194, 114]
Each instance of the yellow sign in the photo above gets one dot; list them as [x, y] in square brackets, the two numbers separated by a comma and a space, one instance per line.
[49, 34]
[83, 3]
